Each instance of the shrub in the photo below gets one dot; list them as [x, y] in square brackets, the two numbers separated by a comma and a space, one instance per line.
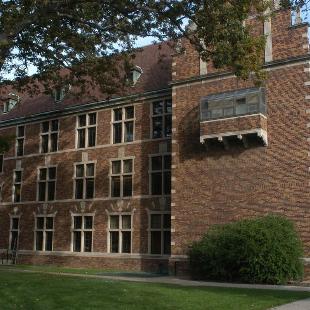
[261, 250]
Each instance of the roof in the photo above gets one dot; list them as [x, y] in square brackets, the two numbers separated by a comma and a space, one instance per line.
[154, 60]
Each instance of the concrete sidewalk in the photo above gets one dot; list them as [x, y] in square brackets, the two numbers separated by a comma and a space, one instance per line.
[297, 305]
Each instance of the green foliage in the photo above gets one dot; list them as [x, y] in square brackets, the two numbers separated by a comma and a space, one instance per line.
[261, 250]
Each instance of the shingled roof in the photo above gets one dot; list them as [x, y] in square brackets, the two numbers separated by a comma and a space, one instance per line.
[154, 60]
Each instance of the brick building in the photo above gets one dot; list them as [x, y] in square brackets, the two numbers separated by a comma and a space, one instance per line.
[129, 182]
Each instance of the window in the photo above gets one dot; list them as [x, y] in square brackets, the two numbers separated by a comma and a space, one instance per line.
[59, 93]
[161, 119]
[14, 233]
[82, 233]
[160, 233]
[240, 102]
[20, 139]
[123, 124]
[17, 187]
[121, 178]
[1, 162]
[120, 233]
[160, 174]
[134, 75]
[11, 102]
[86, 130]
[44, 230]
[84, 181]
[49, 136]
[47, 184]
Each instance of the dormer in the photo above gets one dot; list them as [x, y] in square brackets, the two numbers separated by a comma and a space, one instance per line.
[59, 93]
[11, 102]
[134, 75]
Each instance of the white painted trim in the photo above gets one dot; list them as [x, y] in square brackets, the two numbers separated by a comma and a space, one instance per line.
[234, 117]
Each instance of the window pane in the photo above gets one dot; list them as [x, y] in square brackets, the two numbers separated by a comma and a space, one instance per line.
[167, 183]
[79, 189]
[81, 138]
[15, 222]
[77, 241]
[44, 144]
[14, 240]
[92, 119]
[167, 162]
[117, 133]
[88, 222]
[45, 127]
[156, 186]
[18, 176]
[49, 222]
[20, 147]
[90, 170]
[43, 175]
[156, 163]
[167, 221]
[49, 241]
[117, 114]
[51, 191]
[89, 188]
[54, 142]
[52, 173]
[128, 135]
[156, 221]
[114, 221]
[55, 125]
[241, 107]
[155, 242]
[127, 166]
[127, 185]
[167, 242]
[82, 120]
[1, 163]
[88, 237]
[78, 222]
[17, 193]
[168, 125]
[115, 187]
[39, 240]
[168, 106]
[79, 170]
[126, 240]
[91, 136]
[116, 167]
[157, 107]
[42, 191]
[157, 127]
[40, 222]
[21, 131]
[114, 241]
[129, 112]
[126, 221]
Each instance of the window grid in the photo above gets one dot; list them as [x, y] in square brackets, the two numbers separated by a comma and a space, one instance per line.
[82, 232]
[46, 190]
[84, 180]
[123, 124]
[49, 136]
[14, 233]
[161, 115]
[20, 140]
[161, 229]
[121, 181]
[86, 130]
[17, 187]
[160, 176]
[44, 233]
[120, 233]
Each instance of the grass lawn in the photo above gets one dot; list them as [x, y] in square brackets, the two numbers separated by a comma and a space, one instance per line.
[42, 291]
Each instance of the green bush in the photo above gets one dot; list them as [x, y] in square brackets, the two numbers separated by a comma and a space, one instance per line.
[261, 250]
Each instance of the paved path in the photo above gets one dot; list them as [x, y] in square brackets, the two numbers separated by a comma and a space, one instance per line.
[297, 305]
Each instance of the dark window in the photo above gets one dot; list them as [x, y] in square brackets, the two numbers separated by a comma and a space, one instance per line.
[17, 186]
[160, 234]
[120, 233]
[20, 140]
[82, 233]
[123, 124]
[44, 233]
[47, 184]
[121, 178]
[84, 181]
[161, 119]
[160, 174]
[14, 233]
[49, 136]
[86, 130]
[1, 163]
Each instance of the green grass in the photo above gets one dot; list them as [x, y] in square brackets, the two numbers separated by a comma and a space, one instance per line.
[33, 291]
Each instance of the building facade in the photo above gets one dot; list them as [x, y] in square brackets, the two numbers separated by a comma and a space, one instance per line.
[129, 182]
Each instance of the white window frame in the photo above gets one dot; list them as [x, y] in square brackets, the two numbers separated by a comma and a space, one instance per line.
[23, 138]
[163, 116]
[121, 175]
[119, 230]
[48, 134]
[46, 183]
[86, 128]
[123, 121]
[162, 171]
[84, 180]
[82, 230]
[161, 229]
[44, 230]
[19, 183]
[14, 230]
